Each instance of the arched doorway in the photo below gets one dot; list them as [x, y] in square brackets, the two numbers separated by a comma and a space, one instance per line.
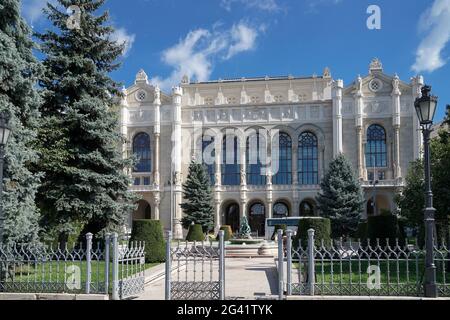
[307, 208]
[144, 211]
[382, 205]
[257, 218]
[232, 216]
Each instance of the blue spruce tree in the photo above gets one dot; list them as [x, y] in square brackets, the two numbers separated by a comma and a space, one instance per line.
[19, 102]
[86, 184]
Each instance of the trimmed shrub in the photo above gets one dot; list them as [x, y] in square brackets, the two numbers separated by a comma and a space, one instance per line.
[151, 233]
[384, 227]
[278, 227]
[228, 233]
[321, 226]
[361, 232]
[195, 233]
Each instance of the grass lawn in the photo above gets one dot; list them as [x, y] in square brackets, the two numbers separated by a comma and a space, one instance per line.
[410, 272]
[55, 272]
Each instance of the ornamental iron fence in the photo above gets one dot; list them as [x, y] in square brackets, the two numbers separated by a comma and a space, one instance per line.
[200, 270]
[80, 268]
[357, 268]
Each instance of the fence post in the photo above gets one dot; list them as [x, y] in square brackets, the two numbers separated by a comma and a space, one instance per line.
[311, 262]
[168, 266]
[107, 244]
[289, 262]
[115, 267]
[221, 265]
[280, 265]
[88, 262]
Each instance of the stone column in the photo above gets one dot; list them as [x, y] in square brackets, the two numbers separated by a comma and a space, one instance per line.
[217, 218]
[417, 84]
[359, 104]
[157, 204]
[396, 123]
[176, 159]
[157, 134]
[337, 117]
[295, 161]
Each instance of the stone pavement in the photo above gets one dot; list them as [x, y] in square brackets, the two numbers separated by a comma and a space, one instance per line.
[244, 279]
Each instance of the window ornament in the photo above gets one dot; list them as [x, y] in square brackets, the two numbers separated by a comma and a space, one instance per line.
[141, 95]
[375, 85]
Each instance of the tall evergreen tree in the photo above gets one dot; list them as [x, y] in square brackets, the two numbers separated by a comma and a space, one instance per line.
[19, 102]
[197, 207]
[341, 198]
[80, 140]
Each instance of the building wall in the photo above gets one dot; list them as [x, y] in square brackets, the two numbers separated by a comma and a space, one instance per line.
[333, 112]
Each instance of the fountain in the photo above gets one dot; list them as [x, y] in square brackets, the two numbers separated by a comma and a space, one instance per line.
[243, 245]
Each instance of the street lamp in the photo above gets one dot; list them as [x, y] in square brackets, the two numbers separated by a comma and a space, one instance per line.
[5, 130]
[426, 108]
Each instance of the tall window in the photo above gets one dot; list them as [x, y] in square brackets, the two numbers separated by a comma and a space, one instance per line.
[308, 159]
[208, 156]
[142, 150]
[256, 153]
[376, 152]
[283, 172]
[230, 162]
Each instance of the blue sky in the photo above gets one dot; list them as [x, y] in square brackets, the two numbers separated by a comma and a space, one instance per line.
[211, 39]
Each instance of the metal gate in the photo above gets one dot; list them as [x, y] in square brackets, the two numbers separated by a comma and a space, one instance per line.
[199, 270]
[128, 267]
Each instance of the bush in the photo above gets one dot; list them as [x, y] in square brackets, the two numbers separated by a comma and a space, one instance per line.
[228, 233]
[384, 227]
[279, 227]
[195, 233]
[361, 232]
[151, 233]
[321, 226]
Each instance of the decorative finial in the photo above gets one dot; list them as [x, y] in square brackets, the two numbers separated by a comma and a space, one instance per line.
[327, 73]
[375, 66]
[141, 76]
[185, 79]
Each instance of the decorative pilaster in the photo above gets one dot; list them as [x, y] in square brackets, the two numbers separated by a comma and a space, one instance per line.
[157, 204]
[295, 163]
[337, 117]
[359, 104]
[396, 123]
[124, 118]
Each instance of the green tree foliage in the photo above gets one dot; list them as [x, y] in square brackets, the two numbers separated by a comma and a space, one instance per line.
[195, 233]
[80, 140]
[197, 205]
[411, 201]
[341, 197]
[19, 101]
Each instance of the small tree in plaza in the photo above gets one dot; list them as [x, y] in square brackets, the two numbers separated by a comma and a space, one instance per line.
[197, 205]
[341, 198]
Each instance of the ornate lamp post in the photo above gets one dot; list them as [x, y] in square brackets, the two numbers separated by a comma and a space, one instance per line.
[426, 108]
[5, 130]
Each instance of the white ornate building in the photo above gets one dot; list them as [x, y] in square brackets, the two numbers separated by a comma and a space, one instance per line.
[308, 121]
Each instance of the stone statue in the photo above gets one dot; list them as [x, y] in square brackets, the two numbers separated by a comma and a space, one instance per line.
[244, 230]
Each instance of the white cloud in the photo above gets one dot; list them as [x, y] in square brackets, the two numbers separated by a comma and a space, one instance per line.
[32, 9]
[244, 39]
[121, 36]
[195, 54]
[435, 21]
[264, 5]
[313, 4]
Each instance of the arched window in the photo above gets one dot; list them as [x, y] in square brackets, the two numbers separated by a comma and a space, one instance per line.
[376, 151]
[280, 210]
[307, 209]
[308, 159]
[283, 169]
[230, 164]
[142, 150]
[256, 154]
[208, 157]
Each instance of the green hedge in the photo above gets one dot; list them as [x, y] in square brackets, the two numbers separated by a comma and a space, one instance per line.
[384, 227]
[279, 227]
[195, 233]
[150, 232]
[228, 233]
[321, 226]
